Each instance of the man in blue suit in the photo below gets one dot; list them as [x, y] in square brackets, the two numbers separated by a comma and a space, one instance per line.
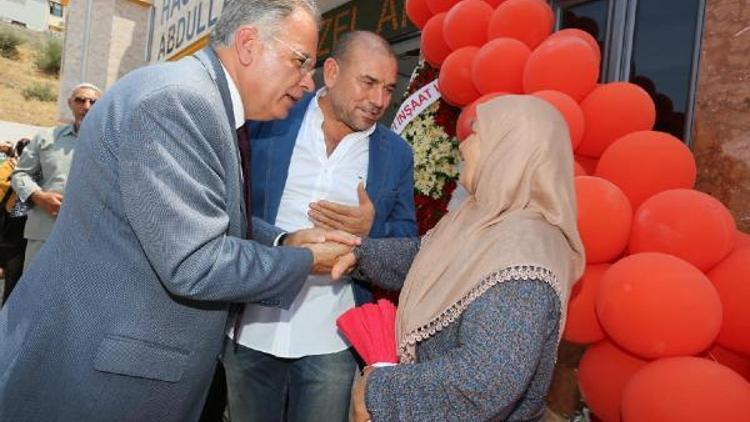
[311, 169]
[122, 314]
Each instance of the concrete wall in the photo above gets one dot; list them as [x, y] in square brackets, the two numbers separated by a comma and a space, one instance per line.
[116, 45]
[722, 114]
[33, 13]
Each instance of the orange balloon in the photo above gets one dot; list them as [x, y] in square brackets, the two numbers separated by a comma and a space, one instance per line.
[603, 372]
[656, 305]
[434, 47]
[735, 361]
[613, 110]
[570, 110]
[564, 64]
[466, 24]
[588, 163]
[464, 125]
[686, 389]
[645, 163]
[454, 80]
[418, 12]
[581, 325]
[732, 280]
[440, 6]
[685, 223]
[574, 32]
[529, 21]
[604, 218]
[498, 66]
[578, 169]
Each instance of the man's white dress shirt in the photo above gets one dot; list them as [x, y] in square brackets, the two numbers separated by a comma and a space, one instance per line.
[309, 326]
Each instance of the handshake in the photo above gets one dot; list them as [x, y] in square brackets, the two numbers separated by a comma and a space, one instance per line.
[331, 249]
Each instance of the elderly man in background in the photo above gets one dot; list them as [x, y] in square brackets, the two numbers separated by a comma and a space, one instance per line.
[42, 170]
[122, 316]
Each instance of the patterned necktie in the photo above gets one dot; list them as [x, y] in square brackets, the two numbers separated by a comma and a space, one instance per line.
[243, 142]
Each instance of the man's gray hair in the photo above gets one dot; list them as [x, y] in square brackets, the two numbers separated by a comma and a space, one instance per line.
[84, 86]
[265, 14]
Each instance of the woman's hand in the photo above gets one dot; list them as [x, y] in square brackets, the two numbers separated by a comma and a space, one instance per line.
[359, 408]
[344, 265]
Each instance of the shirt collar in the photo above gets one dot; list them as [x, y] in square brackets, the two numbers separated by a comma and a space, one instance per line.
[68, 130]
[319, 114]
[237, 108]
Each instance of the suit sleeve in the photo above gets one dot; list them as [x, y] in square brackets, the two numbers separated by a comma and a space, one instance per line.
[402, 222]
[173, 190]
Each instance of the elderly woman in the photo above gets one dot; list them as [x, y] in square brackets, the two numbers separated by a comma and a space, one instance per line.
[482, 306]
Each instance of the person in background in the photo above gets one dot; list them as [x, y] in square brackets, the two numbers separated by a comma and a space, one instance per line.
[483, 303]
[311, 169]
[12, 242]
[42, 172]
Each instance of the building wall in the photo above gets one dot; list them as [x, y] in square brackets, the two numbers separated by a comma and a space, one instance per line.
[33, 13]
[116, 45]
[722, 114]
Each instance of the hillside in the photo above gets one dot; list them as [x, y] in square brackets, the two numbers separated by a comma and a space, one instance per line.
[15, 75]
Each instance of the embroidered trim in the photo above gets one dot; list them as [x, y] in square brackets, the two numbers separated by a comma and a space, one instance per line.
[407, 349]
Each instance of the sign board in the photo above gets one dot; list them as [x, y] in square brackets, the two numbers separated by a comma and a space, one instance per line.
[384, 17]
[178, 24]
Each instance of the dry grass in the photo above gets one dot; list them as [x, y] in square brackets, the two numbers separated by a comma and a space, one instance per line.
[15, 75]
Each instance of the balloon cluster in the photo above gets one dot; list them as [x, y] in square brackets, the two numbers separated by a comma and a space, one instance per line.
[665, 299]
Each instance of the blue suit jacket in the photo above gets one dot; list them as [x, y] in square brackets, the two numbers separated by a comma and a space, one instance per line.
[390, 176]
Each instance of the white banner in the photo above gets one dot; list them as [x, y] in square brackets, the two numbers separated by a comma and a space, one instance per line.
[414, 105]
[177, 24]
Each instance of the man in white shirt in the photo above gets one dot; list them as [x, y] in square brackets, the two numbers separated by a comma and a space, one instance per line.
[311, 169]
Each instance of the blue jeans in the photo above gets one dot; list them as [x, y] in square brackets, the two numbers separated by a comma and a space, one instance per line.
[265, 388]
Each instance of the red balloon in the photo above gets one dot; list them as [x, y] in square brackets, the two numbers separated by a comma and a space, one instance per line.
[440, 6]
[494, 3]
[732, 280]
[464, 125]
[466, 24]
[604, 218]
[418, 12]
[656, 305]
[565, 64]
[529, 21]
[570, 110]
[645, 163]
[735, 361]
[687, 224]
[581, 324]
[434, 47]
[613, 110]
[578, 169]
[498, 66]
[588, 163]
[577, 33]
[603, 372]
[454, 80]
[686, 389]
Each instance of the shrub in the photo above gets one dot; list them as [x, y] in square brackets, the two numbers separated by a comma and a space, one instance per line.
[9, 42]
[41, 92]
[50, 56]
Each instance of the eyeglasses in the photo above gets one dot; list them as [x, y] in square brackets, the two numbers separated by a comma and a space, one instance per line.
[83, 100]
[307, 63]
